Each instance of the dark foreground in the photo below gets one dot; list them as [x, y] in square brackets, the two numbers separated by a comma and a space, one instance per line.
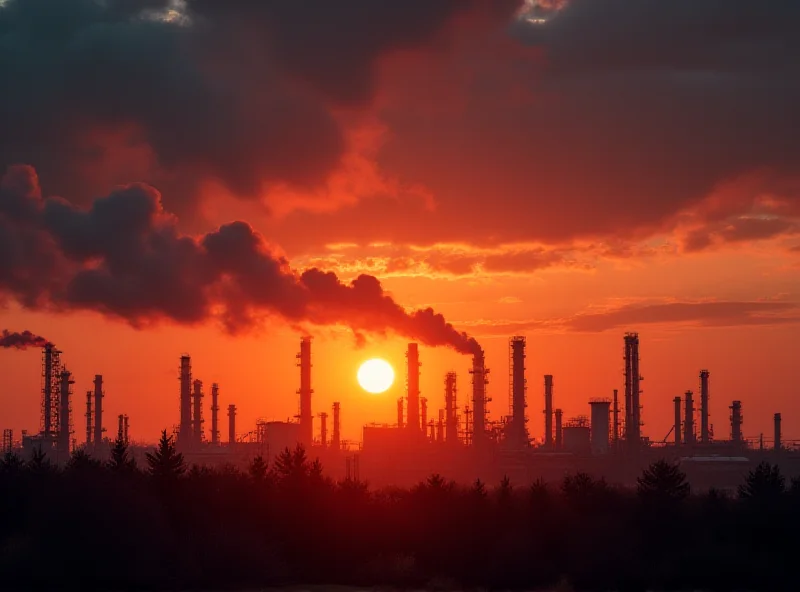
[114, 526]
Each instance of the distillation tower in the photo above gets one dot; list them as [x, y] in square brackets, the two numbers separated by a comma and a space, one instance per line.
[450, 408]
[479, 380]
[412, 386]
[633, 420]
[517, 391]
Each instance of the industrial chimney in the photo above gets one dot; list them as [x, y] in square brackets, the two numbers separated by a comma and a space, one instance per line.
[336, 440]
[558, 414]
[704, 434]
[185, 429]
[423, 410]
[688, 421]
[516, 354]
[305, 391]
[323, 429]
[548, 411]
[677, 428]
[400, 413]
[64, 413]
[736, 422]
[231, 425]
[197, 413]
[215, 414]
[88, 418]
[451, 420]
[98, 409]
[633, 420]
[479, 399]
[778, 444]
[412, 378]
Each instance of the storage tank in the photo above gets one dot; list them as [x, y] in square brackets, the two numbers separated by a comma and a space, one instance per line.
[577, 436]
[601, 411]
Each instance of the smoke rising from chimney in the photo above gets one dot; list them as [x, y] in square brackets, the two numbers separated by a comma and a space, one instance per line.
[22, 340]
[124, 257]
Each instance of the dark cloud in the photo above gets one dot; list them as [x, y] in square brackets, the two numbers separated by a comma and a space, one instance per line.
[607, 120]
[21, 340]
[125, 258]
[738, 230]
[239, 92]
[713, 314]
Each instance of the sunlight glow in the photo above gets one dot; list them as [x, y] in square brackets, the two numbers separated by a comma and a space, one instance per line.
[375, 376]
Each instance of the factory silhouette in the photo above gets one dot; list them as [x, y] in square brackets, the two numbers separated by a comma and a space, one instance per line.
[460, 442]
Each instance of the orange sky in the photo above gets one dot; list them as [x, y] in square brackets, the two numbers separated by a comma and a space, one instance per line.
[568, 180]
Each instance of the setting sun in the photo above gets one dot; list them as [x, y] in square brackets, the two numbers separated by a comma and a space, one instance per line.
[375, 375]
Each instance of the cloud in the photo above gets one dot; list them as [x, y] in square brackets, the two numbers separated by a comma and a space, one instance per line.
[595, 124]
[633, 316]
[243, 93]
[452, 261]
[124, 257]
[708, 314]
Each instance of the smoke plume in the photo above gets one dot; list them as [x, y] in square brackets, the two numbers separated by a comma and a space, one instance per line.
[22, 340]
[124, 257]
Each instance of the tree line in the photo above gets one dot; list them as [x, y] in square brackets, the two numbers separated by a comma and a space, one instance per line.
[164, 525]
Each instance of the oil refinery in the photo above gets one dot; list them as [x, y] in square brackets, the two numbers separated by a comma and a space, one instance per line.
[458, 440]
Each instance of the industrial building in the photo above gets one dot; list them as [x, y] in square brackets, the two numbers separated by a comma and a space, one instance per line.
[460, 441]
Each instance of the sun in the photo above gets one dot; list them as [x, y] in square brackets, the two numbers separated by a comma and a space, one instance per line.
[375, 375]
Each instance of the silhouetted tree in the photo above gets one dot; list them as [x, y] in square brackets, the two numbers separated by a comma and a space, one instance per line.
[81, 461]
[166, 463]
[11, 464]
[258, 469]
[763, 484]
[121, 461]
[661, 483]
[39, 463]
[478, 489]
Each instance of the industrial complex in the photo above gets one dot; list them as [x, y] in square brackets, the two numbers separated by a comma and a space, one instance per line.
[458, 441]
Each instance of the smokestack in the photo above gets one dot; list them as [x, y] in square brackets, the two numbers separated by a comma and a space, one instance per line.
[305, 391]
[323, 429]
[778, 445]
[633, 420]
[451, 421]
[98, 409]
[231, 425]
[736, 422]
[548, 411]
[64, 412]
[400, 413]
[688, 421]
[677, 428]
[125, 429]
[412, 377]
[615, 437]
[88, 418]
[479, 399]
[558, 414]
[185, 429]
[336, 441]
[704, 434]
[440, 427]
[215, 414]
[197, 412]
[516, 353]
[120, 428]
